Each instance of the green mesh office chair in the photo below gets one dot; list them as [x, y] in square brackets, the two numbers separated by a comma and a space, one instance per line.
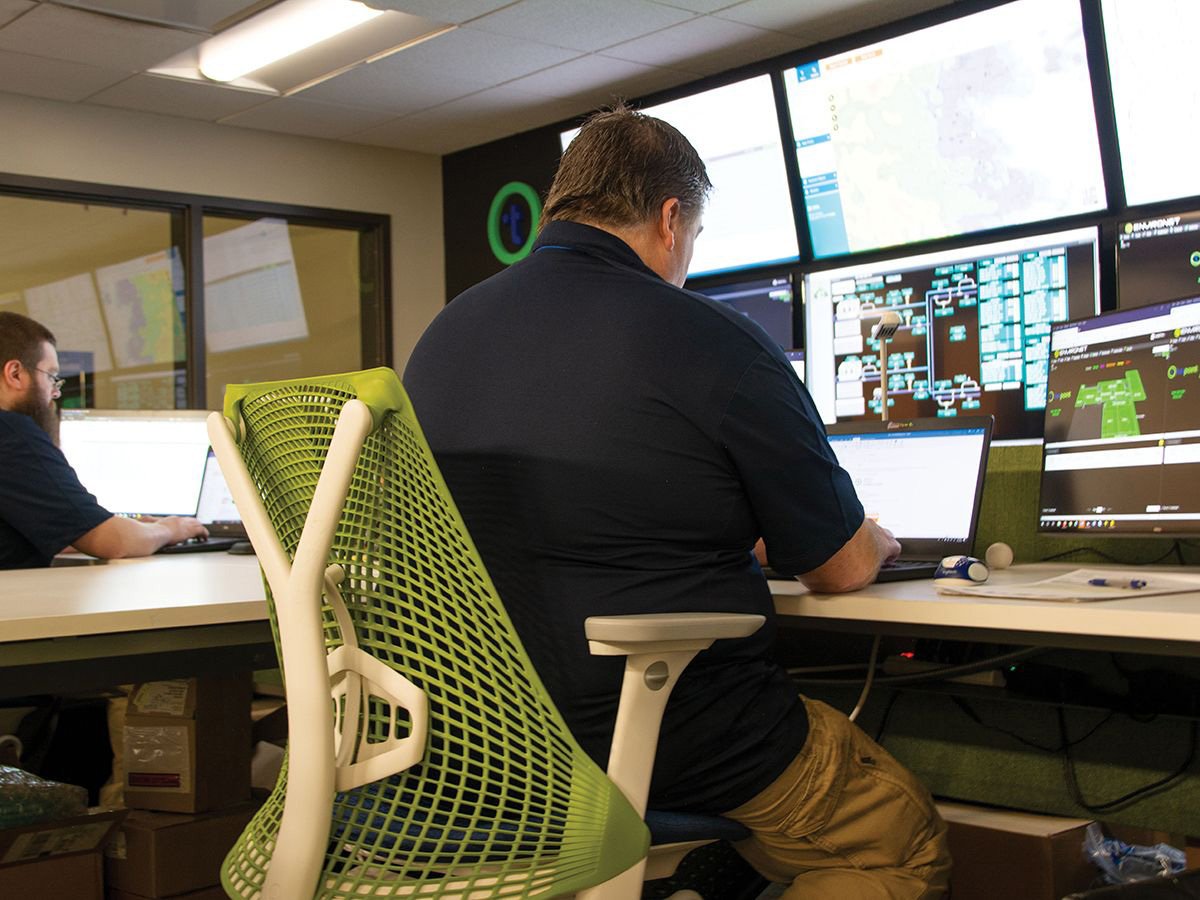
[425, 757]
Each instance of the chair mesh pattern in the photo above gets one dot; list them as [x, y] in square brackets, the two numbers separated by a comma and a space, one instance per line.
[504, 803]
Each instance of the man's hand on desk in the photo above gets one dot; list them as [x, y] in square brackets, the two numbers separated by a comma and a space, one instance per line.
[120, 537]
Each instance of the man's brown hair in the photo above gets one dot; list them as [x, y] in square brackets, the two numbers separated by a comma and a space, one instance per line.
[21, 338]
[620, 169]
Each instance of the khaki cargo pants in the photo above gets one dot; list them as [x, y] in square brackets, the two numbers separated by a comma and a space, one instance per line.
[845, 821]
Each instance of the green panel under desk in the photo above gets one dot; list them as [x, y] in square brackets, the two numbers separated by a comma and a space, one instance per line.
[1009, 513]
[960, 759]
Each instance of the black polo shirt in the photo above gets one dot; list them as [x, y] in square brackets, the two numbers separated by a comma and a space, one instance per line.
[43, 507]
[617, 445]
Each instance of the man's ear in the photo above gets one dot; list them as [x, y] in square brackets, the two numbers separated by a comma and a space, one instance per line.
[10, 374]
[668, 220]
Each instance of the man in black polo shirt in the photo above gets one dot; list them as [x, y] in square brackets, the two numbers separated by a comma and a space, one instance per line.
[43, 507]
[619, 445]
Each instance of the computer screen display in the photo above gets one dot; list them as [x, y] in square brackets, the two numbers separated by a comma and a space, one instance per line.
[893, 471]
[974, 329]
[1151, 60]
[1122, 450]
[735, 128]
[975, 123]
[1158, 259]
[216, 509]
[145, 462]
[796, 358]
[767, 301]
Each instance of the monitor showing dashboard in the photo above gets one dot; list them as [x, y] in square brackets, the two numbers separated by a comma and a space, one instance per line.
[748, 220]
[975, 123]
[1122, 447]
[1158, 259]
[767, 301]
[1151, 49]
[138, 462]
[974, 329]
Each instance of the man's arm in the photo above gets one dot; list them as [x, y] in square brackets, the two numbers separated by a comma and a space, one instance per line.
[856, 564]
[120, 537]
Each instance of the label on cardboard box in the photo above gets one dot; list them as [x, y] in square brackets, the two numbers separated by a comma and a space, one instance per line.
[55, 840]
[160, 698]
[157, 758]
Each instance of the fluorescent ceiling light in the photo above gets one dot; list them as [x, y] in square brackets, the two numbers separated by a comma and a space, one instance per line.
[277, 32]
[296, 44]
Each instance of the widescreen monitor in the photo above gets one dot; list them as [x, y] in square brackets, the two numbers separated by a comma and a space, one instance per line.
[735, 128]
[974, 329]
[143, 462]
[796, 358]
[1151, 48]
[975, 123]
[1158, 259]
[1122, 449]
[767, 301]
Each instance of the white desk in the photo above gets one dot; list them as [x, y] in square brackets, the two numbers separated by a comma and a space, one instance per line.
[1165, 624]
[85, 627]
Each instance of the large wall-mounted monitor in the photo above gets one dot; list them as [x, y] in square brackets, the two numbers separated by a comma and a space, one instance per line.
[979, 122]
[767, 301]
[974, 329]
[1151, 60]
[1122, 450]
[1158, 259]
[735, 129]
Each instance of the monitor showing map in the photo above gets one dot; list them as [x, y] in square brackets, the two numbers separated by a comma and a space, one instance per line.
[1158, 259]
[973, 336]
[1151, 60]
[767, 301]
[748, 220]
[1122, 450]
[975, 123]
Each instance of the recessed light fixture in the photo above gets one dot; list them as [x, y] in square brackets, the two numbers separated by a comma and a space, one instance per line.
[296, 44]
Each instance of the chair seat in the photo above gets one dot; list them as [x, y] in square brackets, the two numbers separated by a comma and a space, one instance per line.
[676, 827]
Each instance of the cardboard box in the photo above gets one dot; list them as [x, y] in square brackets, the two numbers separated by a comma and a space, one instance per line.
[76, 876]
[187, 743]
[59, 837]
[999, 853]
[210, 893]
[156, 854]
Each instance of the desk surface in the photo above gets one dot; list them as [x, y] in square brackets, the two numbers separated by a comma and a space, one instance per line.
[1164, 623]
[130, 595]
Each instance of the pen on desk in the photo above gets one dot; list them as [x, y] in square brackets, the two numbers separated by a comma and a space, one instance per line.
[1118, 583]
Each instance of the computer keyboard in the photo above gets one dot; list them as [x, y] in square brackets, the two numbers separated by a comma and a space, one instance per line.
[199, 545]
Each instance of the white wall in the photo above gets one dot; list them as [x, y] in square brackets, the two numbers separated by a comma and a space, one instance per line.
[120, 147]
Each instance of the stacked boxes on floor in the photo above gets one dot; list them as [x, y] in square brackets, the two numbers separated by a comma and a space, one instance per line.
[186, 761]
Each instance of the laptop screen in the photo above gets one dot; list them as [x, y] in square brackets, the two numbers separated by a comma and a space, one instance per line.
[217, 510]
[138, 462]
[920, 478]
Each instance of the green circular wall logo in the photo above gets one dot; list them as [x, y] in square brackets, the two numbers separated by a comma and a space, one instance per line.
[512, 222]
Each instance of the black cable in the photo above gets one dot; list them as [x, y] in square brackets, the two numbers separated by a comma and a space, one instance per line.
[971, 714]
[1107, 806]
[939, 674]
[887, 712]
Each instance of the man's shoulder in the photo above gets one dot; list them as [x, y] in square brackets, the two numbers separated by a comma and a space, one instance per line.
[18, 426]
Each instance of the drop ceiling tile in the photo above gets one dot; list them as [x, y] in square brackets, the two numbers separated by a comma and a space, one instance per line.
[293, 115]
[184, 13]
[456, 11]
[53, 79]
[83, 37]
[700, 6]
[443, 68]
[176, 97]
[819, 20]
[705, 45]
[477, 119]
[585, 26]
[597, 79]
[10, 9]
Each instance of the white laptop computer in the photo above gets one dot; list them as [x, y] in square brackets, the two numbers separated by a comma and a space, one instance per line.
[922, 479]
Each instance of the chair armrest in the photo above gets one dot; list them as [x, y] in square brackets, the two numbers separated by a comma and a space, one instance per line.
[657, 647]
[661, 632]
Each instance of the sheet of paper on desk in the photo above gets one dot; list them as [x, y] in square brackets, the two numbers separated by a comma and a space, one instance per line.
[1083, 585]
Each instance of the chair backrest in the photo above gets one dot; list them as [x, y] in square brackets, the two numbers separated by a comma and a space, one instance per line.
[450, 772]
